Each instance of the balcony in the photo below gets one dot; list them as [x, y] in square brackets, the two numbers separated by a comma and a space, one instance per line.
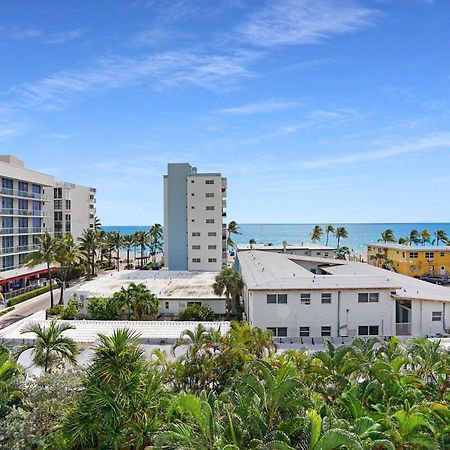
[23, 194]
[23, 212]
[403, 329]
[13, 231]
[5, 269]
[18, 249]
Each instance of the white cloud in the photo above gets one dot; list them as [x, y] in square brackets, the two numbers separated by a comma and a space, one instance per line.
[298, 22]
[266, 106]
[23, 34]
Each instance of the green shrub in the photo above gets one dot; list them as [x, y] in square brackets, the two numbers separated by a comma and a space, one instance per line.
[71, 312]
[27, 295]
[129, 267]
[5, 311]
[56, 310]
[197, 312]
[102, 308]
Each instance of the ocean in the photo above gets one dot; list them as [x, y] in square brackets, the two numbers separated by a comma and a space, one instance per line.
[359, 234]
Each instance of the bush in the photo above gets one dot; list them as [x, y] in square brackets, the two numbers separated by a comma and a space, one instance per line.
[102, 308]
[27, 295]
[5, 311]
[71, 312]
[197, 312]
[129, 267]
[56, 310]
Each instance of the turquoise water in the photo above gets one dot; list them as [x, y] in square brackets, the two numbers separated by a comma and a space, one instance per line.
[359, 233]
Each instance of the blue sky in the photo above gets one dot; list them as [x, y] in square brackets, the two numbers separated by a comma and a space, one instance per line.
[317, 111]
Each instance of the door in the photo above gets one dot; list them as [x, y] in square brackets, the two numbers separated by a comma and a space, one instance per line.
[431, 270]
[443, 270]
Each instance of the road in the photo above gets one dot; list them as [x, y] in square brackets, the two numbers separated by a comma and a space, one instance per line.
[28, 307]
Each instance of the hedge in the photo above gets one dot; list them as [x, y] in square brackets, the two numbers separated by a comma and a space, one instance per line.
[6, 310]
[27, 295]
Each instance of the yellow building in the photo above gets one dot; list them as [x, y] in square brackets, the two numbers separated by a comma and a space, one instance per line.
[415, 261]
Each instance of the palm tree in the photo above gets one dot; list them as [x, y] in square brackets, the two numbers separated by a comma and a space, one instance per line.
[425, 237]
[143, 302]
[46, 253]
[414, 237]
[228, 282]
[233, 228]
[9, 394]
[156, 237]
[116, 242]
[341, 233]
[50, 347]
[89, 244]
[97, 224]
[329, 229]
[68, 256]
[381, 260]
[441, 236]
[387, 236]
[316, 233]
[404, 241]
[128, 243]
[142, 239]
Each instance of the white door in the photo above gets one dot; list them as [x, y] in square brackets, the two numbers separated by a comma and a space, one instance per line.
[431, 270]
[443, 270]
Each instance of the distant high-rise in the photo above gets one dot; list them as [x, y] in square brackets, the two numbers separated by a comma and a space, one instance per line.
[194, 229]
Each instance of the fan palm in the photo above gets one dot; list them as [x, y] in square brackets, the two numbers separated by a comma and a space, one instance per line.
[50, 347]
[229, 283]
[47, 252]
[316, 233]
[341, 233]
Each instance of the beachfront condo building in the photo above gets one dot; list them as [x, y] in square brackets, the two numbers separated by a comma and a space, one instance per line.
[308, 299]
[27, 212]
[73, 208]
[194, 212]
[415, 261]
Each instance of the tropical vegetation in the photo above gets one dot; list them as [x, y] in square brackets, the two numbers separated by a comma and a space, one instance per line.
[232, 391]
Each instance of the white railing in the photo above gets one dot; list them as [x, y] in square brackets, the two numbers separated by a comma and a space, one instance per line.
[23, 212]
[36, 230]
[23, 194]
[19, 249]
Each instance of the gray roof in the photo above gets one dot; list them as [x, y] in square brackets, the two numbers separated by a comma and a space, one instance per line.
[276, 271]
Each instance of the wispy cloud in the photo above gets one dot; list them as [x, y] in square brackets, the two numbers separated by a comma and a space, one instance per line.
[174, 69]
[9, 131]
[23, 34]
[289, 22]
[425, 144]
[266, 106]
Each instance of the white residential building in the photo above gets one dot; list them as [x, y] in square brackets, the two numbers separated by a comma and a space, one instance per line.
[194, 211]
[28, 211]
[73, 209]
[311, 297]
[304, 248]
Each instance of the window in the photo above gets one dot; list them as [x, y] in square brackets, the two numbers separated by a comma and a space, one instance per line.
[326, 297]
[58, 192]
[282, 332]
[273, 330]
[194, 303]
[212, 233]
[166, 305]
[192, 207]
[212, 247]
[209, 220]
[68, 217]
[282, 298]
[373, 297]
[7, 183]
[209, 181]
[305, 299]
[325, 331]
[23, 204]
[210, 208]
[429, 255]
[58, 215]
[192, 220]
[436, 316]
[196, 247]
[196, 260]
[69, 204]
[304, 331]
[195, 234]
[192, 181]
[363, 298]
[326, 253]
[368, 330]
[192, 194]
[413, 254]
[209, 194]
[319, 253]
[442, 254]
[23, 186]
[271, 298]
[212, 260]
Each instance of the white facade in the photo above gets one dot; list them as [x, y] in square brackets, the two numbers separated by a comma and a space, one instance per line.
[341, 298]
[194, 212]
[73, 209]
[303, 249]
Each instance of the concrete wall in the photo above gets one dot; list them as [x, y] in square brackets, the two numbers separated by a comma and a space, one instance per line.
[422, 323]
[294, 315]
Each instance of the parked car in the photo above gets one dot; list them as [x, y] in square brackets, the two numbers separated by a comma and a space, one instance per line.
[436, 279]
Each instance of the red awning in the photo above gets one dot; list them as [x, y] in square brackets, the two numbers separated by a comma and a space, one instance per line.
[25, 275]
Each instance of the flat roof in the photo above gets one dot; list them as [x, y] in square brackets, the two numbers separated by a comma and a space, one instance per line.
[88, 330]
[301, 246]
[264, 271]
[165, 284]
[411, 248]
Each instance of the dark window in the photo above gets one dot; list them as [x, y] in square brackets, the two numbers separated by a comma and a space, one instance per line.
[271, 298]
[363, 298]
[282, 298]
[282, 332]
[305, 299]
[304, 331]
[326, 297]
[326, 331]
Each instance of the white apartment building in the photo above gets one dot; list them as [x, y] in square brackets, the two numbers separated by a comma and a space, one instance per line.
[306, 297]
[28, 211]
[73, 209]
[304, 248]
[194, 212]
